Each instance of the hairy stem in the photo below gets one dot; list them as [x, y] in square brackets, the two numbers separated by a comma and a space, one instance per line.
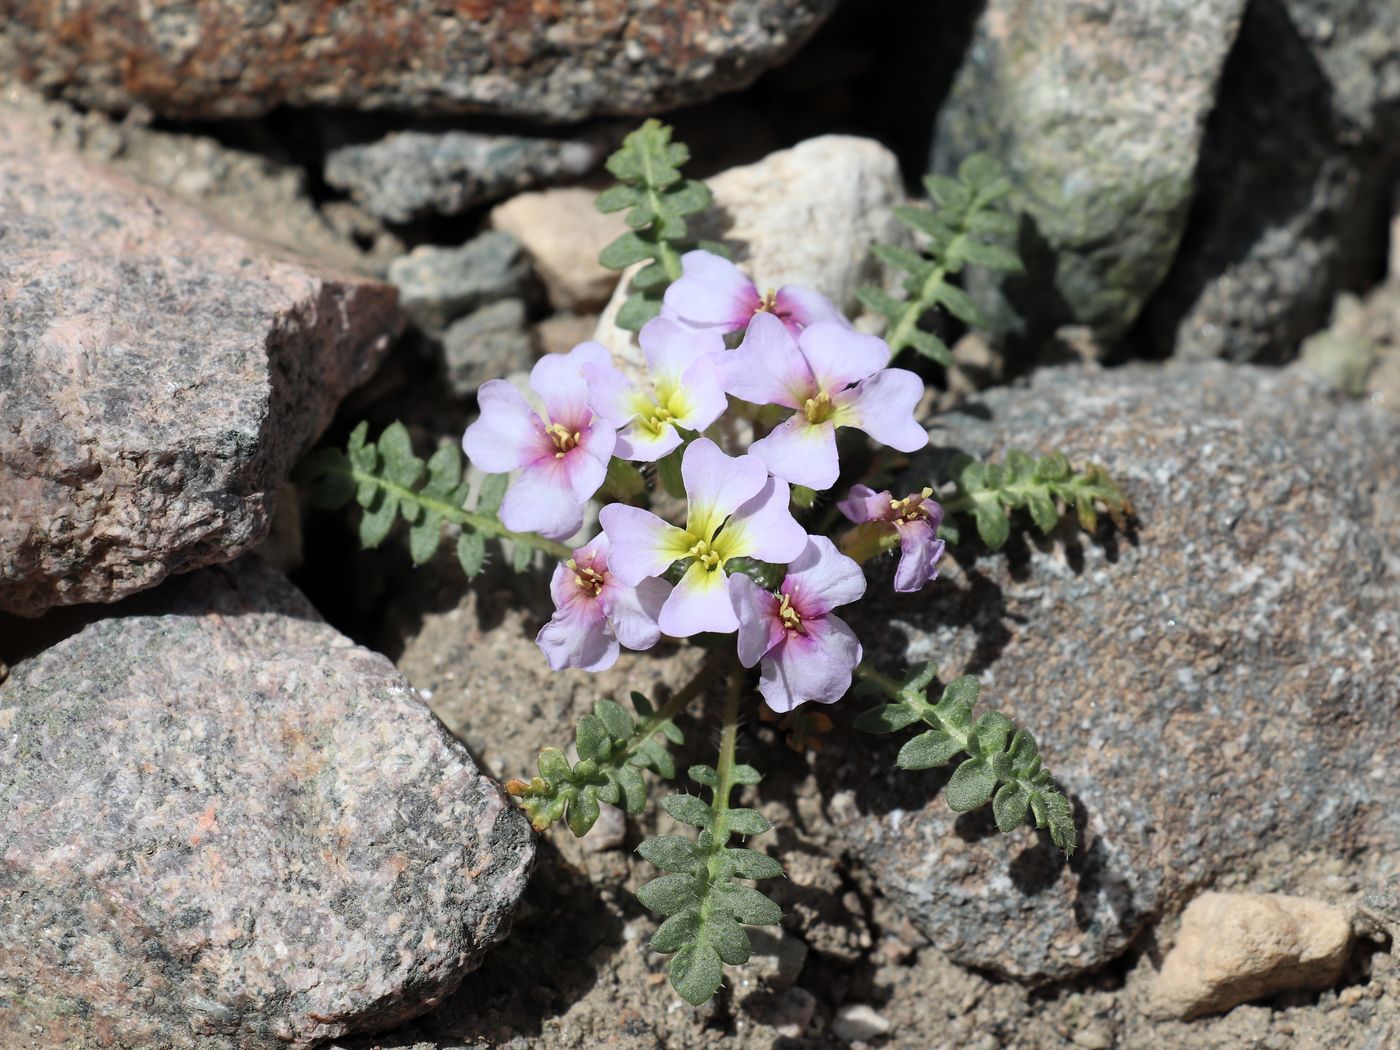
[915, 308]
[486, 524]
[887, 685]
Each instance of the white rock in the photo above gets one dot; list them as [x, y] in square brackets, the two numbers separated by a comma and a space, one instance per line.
[857, 1022]
[806, 215]
[1234, 947]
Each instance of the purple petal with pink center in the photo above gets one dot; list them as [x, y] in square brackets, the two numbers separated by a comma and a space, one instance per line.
[883, 406]
[839, 356]
[768, 368]
[711, 293]
[821, 578]
[642, 544]
[920, 549]
[508, 434]
[813, 665]
[801, 307]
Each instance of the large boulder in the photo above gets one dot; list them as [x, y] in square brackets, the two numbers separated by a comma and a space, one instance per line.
[1215, 688]
[1098, 111]
[222, 824]
[159, 376]
[558, 61]
[1296, 171]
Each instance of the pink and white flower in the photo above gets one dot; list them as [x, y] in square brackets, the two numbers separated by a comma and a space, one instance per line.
[713, 293]
[833, 377]
[914, 519]
[806, 652]
[683, 391]
[595, 614]
[562, 454]
[734, 510]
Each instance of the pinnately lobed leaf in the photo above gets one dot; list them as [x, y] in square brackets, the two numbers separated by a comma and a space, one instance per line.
[658, 200]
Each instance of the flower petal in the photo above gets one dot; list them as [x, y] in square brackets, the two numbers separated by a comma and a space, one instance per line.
[800, 452]
[558, 379]
[815, 666]
[716, 485]
[633, 612]
[864, 504]
[760, 627]
[508, 434]
[804, 306]
[711, 293]
[883, 406]
[764, 528]
[839, 356]
[542, 500]
[578, 637]
[671, 349]
[639, 442]
[611, 395]
[701, 395]
[821, 578]
[919, 551]
[700, 602]
[767, 368]
[586, 464]
[642, 544]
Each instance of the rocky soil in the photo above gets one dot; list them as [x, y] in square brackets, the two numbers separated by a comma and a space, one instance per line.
[249, 773]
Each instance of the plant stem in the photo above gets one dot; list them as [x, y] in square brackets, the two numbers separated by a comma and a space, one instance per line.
[486, 524]
[724, 769]
[679, 701]
[887, 685]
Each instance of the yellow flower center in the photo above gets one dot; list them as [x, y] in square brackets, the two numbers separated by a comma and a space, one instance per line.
[910, 508]
[706, 555]
[769, 303]
[563, 439]
[818, 409]
[792, 620]
[590, 581]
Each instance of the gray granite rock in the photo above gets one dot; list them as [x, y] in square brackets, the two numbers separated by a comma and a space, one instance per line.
[553, 61]
[1296, 171]
[253, 193]
[223, 825]
[159, 376]
[437, 285]
[1219, 684]
[1098, 111]
[488, 344]
[412, 174]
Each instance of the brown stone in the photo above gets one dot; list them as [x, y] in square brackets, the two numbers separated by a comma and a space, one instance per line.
[159, 376]
[1235, 947]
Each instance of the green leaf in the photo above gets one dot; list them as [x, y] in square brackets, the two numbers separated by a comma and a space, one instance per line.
[583, 813]
[929, 345]
[928, 750]
[670, 894]
[990, 257]
[959, 304]
[688, 810]
[747, 822]
[377, 520]
[750, 864]
[729, 940]
[748, 905]
[971, 785]
[676, 932]
[401, 466]
[1009, 806]
[888, 718]
[696, 973]
[471, 552]
[881, 301]
[520, 557]
[492, 491]
[651, 279]
[627, 249]
[633, 787]
[615, 719]
[636, 311]
[591, 738]
[671, 853]
[668, 469]
[992, 523]
[424, 537]
[615, 198]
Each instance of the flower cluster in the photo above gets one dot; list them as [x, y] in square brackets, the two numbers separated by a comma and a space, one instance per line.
[644, 576]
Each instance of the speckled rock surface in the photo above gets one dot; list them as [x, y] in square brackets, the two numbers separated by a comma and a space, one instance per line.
[1296, 173]
[439, 284]
[1098, 111]
[490, 343]
[806, 215]
[225, 825]
[158, 377]
[1222, 683]
[411, 174]
[556, 60]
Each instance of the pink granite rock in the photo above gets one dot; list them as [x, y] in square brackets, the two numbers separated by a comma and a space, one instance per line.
[158, 377]
[222, 824]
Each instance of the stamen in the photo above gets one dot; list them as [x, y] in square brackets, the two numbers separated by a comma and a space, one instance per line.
[817, 409]
[911, 507]
[792, 619]
[702, 553]
[769, 303]
[563, 439]
[590, 581]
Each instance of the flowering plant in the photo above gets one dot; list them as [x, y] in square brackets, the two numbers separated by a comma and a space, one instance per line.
[752, 407]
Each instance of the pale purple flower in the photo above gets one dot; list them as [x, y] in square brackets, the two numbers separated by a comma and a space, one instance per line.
[807, 653]
[594, 613]
[734, 510]
[562, 454]
[915, 519]
[683, 391]
[833, 377]
[714, 293]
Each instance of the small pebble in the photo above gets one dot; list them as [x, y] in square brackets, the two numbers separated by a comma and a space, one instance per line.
[857, 1022]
